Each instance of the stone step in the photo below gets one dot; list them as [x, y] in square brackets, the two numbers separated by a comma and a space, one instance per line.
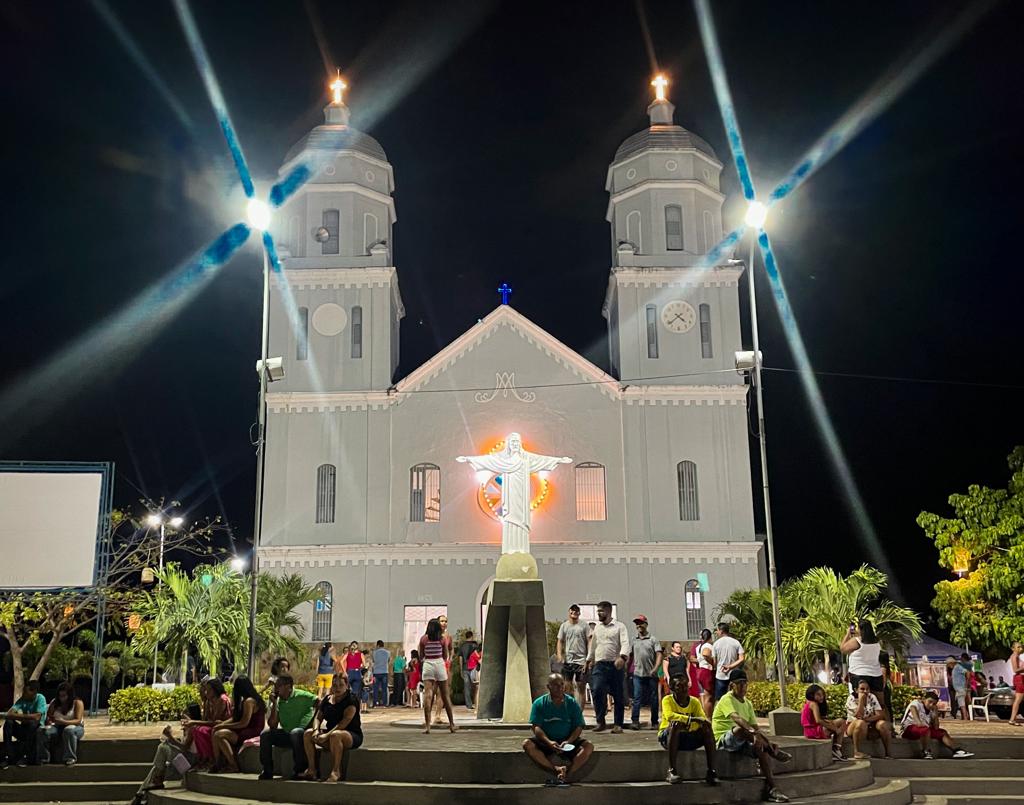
[880, 792]
[128, 750]
[110, 791]
[968, 767]
[79, 773]
[847, 777]
[967, 799]
[982, 746]
[948, 786]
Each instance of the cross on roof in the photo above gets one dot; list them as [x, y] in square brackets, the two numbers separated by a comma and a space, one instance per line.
[504, 290]
[659, 83]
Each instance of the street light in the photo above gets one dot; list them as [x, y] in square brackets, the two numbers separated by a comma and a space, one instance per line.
[156, 520]
[755, 217]
[237, 564]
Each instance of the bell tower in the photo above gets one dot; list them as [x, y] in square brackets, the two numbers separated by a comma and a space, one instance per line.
[671, 318]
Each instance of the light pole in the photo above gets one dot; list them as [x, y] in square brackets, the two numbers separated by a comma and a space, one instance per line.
[156, 520]
[754, 219]
[259, 218]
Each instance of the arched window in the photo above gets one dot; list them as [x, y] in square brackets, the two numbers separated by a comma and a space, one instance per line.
[652, 331]
[425, 494]
[590, 492]
[369, 230]
[709, 231]
[634, 231]
[322, 609]
[331, 222]
[326, 475]
[357, 331]
[705, 332]
[689, 508]
[674, 228]
[302, 336]
[694, 609]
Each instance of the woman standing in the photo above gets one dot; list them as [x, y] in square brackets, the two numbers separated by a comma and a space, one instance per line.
[65, 717]
[216, 708]
[863, 649]
[706, 671]
[250, 713]
[1017, 669]
[449, 644]
[398, 679]
[413, 677]
[673, 665]
[435, 653]
[324, 669]
[354, 668]
[336, 727]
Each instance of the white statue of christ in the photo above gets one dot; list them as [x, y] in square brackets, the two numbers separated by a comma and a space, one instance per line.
[514, 465]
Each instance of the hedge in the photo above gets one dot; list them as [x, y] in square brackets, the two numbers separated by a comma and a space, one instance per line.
[765, 697]
[138, 704]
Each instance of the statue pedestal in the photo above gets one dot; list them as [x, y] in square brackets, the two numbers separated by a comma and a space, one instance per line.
[516, 665]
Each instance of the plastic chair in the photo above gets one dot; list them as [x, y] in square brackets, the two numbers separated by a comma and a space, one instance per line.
[979, 703]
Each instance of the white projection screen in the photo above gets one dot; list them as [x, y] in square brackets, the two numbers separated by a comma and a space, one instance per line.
[50, 520]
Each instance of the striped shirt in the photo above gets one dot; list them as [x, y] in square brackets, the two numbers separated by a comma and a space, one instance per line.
[431, 649]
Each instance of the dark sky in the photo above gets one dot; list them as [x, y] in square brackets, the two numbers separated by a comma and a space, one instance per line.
[500, 122]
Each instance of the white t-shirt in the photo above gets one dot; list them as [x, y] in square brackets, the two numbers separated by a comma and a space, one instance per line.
[871, 705]
[923, 716]
[702, 661]
[864, 660]
[727, 650]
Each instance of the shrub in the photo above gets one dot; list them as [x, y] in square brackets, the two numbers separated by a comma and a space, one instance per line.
[135, 704]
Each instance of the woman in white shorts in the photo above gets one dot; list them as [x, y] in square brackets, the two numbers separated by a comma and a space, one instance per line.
[434, 652]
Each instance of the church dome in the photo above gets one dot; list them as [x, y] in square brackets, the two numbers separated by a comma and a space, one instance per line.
[337, 137]
[661, 137]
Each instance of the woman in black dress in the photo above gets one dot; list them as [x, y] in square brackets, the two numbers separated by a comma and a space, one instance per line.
[335, 726]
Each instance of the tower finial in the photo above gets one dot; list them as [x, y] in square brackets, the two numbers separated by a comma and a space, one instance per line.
[661, 108]
[336, 113]
[337, 88]
[659, 83]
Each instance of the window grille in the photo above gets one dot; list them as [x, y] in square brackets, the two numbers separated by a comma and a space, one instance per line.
[652, 331]
[332, 223]
[689, 508]
[674, 228]
[357, 332]
[590, 492]
[694, 609]
[425, 494]
[705, 332]
[326, 475]
[322, 612]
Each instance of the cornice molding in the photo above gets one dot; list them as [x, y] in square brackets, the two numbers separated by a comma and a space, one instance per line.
[357, 277]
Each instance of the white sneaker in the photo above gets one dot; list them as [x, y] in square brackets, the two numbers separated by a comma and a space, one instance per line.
[672, 777]
[960, 753]
[927, 755]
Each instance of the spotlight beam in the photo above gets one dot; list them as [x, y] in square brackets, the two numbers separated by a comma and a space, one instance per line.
[220, 107]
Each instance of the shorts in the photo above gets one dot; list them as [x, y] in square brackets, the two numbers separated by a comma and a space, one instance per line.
[687, 740]
[548, 751]
[434, 671]
[1018, 683]
[817, 732]
[731, 742]
[875, 683]
[706, 680]
[914, 732]
[573, 672]
[324, 680]
[961, 697]
[357, 739]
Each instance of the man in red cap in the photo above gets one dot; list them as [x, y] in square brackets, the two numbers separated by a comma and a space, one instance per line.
[646, 653]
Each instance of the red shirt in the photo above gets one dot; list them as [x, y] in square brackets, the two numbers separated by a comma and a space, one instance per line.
[353, 662]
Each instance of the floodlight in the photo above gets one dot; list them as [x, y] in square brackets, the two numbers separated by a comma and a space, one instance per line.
[258, 213]
[154, 520]
[237, 564]
[756, 214]
[177, 522]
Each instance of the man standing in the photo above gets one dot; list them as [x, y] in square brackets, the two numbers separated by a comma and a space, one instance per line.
[646, 651]
[290, 713]
[381, 661]
[557, 745]
[22, 725]
[962, 684]
[466, 649]
[606, 659]
[571, 651]
[728, 654]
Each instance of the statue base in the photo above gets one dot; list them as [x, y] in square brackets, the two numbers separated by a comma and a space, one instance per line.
[516, 664]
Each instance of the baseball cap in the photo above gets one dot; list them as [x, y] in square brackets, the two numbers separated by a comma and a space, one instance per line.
[640, 619]
[737, 675]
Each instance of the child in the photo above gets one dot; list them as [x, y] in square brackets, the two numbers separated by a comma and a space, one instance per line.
[817, 724]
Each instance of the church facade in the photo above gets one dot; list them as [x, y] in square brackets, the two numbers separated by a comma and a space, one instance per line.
[363, 494]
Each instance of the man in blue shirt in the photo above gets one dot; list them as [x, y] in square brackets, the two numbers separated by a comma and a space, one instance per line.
[557, 746]
[961, 684]
[381, 661]
[22, 725]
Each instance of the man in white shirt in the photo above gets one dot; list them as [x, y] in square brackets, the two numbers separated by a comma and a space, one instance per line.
[606, 657]
[728, 654]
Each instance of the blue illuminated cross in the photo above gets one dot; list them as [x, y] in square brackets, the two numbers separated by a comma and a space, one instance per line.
[504, 290]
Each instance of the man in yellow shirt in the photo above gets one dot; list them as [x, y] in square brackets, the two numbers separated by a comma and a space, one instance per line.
[684, 726]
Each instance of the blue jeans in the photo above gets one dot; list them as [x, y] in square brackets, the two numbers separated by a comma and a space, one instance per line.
[606, 679]
[645, 691]
[286, 739]
[355, 681]
[380, 690]
[721, 688]
[69, 738]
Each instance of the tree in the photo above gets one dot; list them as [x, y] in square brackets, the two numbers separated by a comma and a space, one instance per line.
[48, 617]
[206, 614]
[816, 609]
[984, 543]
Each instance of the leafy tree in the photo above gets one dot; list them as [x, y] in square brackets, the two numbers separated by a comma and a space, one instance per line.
[984, 542]
[46, 618]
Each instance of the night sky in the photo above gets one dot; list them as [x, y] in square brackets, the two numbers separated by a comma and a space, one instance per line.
[500, 122]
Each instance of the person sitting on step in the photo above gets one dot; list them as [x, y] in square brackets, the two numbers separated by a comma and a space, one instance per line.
[557, 746]
[21, 727]
[64, 719]
[816, 723]
[867, 720]
[336, 727]
[291, 712]
[734, 723]
[921, 723]
[684, 726]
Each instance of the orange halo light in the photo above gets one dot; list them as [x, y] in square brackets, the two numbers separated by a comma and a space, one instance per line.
[489, 493]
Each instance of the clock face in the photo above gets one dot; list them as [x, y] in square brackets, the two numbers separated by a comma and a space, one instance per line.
[678, 316]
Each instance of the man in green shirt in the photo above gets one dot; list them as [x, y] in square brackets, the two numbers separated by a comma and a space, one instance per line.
[557, 746]
[734, 724]
[21, 727]
[290, 712]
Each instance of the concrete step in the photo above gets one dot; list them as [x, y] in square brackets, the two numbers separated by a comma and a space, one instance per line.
[967, 799]
[847, 777]
[110, 791]
[129, 750]
[880, 792]
[969, 767]
[948, 786]
[982, 746]
[79, 773]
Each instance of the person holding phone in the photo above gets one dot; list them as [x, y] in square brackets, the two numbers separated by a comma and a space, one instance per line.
[557, 745]
[863, 649]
